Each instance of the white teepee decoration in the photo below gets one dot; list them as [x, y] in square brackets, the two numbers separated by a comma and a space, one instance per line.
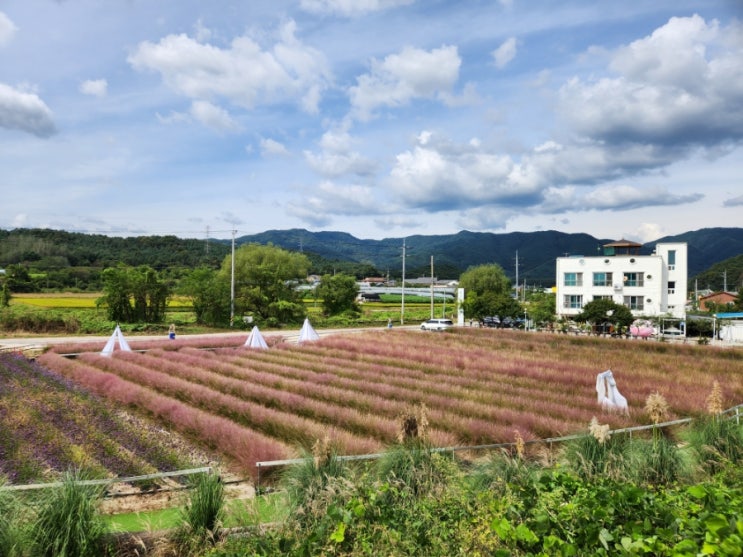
[609, 396]
[110, 345]
[307, 333]
[255, 339]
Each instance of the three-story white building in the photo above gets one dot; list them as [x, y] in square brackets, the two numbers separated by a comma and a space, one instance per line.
[649, 285]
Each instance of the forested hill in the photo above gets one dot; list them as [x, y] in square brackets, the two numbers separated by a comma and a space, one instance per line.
[453, 253]
[51, 249]
[46, 250]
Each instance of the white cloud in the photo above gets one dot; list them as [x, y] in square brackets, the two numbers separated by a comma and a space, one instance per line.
[400, 78]
[682, 85]
[318, 205]
[7, 29]
[24, 111]
[440, 176]
[271, 147]
[647, 232]
[505, 53]
[213, 116]
[350, 8]
[337, 157]
[484, 218]
[245, 74]
[94, 87]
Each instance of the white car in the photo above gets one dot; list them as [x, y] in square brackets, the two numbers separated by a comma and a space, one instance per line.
[437, 324]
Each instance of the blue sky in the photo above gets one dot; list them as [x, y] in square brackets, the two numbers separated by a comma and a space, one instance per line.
[381, 118]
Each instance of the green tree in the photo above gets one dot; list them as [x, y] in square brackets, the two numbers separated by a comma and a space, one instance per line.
[338, 293]
[18, 279]
[541, 308]
[265, 282]
[5, 295]
[598, 312]
[134, 294]
[488, 292]
[210, 296]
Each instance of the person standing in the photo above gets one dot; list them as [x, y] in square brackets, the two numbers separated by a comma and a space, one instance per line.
[171, 331]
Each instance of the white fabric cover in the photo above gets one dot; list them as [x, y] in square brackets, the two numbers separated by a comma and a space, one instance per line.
[256, 340]
[307, 333]
[111, 344]
[609, 396]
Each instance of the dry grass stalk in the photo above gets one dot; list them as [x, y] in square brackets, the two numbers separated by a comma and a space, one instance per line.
[322, 451]
[600, 432]
[413, 424]
[714, 400]
[656, 407]
[519, 445]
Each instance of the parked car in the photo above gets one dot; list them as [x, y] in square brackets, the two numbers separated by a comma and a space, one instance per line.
[437, 324]
[491, 321]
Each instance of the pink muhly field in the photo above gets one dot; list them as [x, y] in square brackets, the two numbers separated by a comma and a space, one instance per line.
[479, 386]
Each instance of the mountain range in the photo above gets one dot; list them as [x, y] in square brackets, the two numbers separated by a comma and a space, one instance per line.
[715, 255]
[534, 252]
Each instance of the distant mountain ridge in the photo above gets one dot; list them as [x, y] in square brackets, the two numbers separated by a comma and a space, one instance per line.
[714, 253]
[536, 251]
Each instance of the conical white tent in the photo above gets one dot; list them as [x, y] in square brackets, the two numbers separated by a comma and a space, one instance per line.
[307, 333]
[111, 344]
[609, 396]
[255, 339]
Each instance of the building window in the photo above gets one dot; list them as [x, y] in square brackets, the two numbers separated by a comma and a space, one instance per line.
[573, 301]
[671, 286]
[671, 259]
[633, 279]
[573, 279]
[602, 279]
[600, 297]
[634, 302]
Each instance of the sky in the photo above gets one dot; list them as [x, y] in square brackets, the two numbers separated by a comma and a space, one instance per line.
[380, 118]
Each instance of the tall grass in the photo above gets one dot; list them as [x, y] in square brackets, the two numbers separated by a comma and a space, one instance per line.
[202, 516]
[717, 442]
[68, 523]
[12, 529]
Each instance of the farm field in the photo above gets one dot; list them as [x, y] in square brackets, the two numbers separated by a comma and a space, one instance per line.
[479, 386]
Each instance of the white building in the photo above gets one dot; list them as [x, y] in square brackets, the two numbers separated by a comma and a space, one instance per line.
[649, 285]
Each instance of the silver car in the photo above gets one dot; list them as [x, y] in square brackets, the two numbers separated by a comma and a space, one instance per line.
[437, 324]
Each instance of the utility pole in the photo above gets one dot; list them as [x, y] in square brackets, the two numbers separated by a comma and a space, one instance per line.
[232, 282]
[517, 274]
[432, 287]
[402, 305]
[725, 280]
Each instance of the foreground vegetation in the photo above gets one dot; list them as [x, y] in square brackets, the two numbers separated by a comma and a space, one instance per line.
[404, 393]
[602, 495]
